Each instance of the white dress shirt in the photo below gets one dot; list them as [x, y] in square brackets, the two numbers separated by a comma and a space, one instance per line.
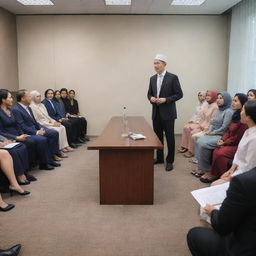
[245, 157]
[160, 78]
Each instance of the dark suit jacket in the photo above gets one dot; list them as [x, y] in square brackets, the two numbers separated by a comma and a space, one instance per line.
[171, 90]
[52, 112]
[236, 218]
[27, 123]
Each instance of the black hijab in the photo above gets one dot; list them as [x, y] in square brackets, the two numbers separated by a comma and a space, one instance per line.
[236, 116]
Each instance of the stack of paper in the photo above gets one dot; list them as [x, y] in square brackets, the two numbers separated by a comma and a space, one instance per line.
[10, 145]
[214, 195]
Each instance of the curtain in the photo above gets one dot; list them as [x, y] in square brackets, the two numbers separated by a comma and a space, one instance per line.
[242, 51]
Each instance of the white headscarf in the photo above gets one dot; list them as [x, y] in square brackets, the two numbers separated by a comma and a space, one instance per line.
[33, 95]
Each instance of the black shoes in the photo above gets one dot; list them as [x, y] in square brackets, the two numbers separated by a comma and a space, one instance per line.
[14, 251]
[82, 141]
[87, 138]
[19, 193]
[73, 145]
[169, 167]
[24, 183]
[30, 177]
[7, 208]
[158, 161]
[55, 164]
[46, 167]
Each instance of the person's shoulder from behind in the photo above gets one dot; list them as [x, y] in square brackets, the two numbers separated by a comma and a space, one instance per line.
[247, 179]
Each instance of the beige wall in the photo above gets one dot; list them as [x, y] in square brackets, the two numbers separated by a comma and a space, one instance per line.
[108, 59]
[8, 51]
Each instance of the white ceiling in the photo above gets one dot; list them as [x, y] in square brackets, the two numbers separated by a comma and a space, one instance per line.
[137, 7]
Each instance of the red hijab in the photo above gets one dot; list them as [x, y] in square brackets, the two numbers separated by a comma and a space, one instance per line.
[214, 95]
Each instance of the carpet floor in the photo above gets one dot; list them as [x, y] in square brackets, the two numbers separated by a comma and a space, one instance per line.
[62, 216]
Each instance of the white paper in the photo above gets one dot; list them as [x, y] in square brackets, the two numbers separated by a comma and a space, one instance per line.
[214, 195]
[11, 145]
[137, 136]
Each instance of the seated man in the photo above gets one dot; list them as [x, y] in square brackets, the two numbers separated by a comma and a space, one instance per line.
[47, 140]
[234, 225]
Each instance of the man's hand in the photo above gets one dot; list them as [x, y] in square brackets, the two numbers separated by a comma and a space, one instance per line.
[56, 124]
[208, 209]
[22, 137]
[209, 133]
[153, 99]
[160, 100]
[41, 132]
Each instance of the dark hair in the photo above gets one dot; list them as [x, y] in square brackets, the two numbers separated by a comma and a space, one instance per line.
[250, 109]
[56, 92]
[54, 98]
[3, 95]
[253, 91]
[45, 93]
[63, 90]
[20, 94]
[72, 91]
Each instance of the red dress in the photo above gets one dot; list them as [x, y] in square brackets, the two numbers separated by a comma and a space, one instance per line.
[222, 155]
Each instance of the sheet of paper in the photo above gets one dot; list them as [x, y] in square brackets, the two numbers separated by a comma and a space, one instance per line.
[214, 195]
[11, 145]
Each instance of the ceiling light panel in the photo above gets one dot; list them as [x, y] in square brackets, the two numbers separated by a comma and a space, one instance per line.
[118, 2]
[187, 2]
[36, 2]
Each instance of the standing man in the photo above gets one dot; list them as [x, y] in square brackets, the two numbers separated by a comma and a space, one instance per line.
[164, 90]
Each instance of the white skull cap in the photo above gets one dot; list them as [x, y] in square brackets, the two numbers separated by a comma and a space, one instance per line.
[161, 57]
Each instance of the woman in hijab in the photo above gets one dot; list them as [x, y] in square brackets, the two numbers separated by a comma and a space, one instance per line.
[196, 119]
[208, 112]
[207, 143]
[42, 117]
[251, 94]
[227, 145]
[244, 159]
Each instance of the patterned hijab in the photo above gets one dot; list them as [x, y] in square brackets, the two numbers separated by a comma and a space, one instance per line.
[214, 95]
[227, 101]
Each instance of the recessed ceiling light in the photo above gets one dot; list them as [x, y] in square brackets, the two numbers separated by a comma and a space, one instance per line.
[36, 2]
[187, 2]
[118, 2]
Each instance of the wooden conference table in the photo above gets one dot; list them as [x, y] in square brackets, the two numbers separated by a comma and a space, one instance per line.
[126, 166]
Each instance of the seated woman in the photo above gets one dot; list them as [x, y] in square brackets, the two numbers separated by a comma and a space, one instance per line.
[228, 143]
[42, 117]
[20, 159]
[244, 159]
[73, 110]
[6, 165]
[10, 129]
[208, 112]
[196, 119]
[71, 127]
[251, 94]
[207, 143]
